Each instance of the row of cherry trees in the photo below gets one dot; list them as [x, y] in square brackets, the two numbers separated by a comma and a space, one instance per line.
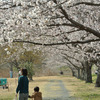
[70, 26]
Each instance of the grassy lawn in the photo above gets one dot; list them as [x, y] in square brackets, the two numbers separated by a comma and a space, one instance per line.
[38, 81]
[82, 90]
[76, 87]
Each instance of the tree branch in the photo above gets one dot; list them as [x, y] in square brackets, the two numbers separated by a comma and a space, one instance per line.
[80, 26]
[70, 57]
[85, 3]
[62, 43]
[68, 32]
[72, 63]
[63, 24]
[76, 24]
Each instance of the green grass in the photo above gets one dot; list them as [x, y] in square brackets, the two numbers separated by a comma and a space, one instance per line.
[10, 95]
[77, 88]
[94, 77]
[82, 90]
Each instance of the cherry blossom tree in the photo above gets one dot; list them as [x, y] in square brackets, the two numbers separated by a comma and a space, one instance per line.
[70, 24]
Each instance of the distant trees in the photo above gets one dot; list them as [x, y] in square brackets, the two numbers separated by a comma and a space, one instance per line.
[30, 60]
[19, 57]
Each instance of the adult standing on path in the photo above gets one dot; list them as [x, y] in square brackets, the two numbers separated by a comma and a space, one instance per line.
[23, 86]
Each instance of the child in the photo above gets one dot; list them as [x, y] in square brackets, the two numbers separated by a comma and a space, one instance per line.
[36, 95]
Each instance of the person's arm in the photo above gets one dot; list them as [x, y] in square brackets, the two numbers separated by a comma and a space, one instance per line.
[33, 96]
[19, 85]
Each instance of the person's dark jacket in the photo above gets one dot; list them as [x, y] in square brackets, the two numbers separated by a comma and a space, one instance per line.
[22, 85]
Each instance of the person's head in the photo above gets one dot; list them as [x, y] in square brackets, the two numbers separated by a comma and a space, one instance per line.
[36, 89]
[24, 72]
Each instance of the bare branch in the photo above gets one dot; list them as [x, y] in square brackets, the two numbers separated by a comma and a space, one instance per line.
[62, 43]
[55, 17]
[63, 24]
[85, 3]
[68, 32]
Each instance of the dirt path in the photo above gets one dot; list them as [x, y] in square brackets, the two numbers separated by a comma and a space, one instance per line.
[55, 90]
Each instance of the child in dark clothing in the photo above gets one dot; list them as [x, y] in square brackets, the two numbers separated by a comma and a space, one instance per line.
[36, 95]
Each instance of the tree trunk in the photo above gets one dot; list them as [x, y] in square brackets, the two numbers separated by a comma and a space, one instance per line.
[82, 74]
[79, 76]
[73, 73]
[98, 80]
[88, 74]
[83, 71]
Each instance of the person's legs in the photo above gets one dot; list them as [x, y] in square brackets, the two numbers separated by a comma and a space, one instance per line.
[25, 96]
[21, 96]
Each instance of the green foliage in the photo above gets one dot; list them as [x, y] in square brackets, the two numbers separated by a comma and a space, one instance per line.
[30, 60]
[29, 66]
[30, 56]
[2, 54]
[27, 56]
[15, 69]
[19, 57]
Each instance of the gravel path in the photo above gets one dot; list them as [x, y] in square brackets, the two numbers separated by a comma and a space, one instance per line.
[55, 90]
